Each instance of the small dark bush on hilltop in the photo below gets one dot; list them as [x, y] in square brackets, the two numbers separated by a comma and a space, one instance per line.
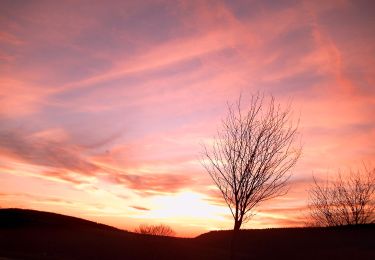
[155, 230]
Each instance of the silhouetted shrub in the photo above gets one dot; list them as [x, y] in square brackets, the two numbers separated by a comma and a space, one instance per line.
[156, 230]
[347, 200]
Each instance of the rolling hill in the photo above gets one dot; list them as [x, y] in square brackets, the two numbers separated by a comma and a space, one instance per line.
[30, 234]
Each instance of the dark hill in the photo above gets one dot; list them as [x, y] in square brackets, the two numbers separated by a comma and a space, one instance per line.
[29, 234]
[347, 242]
[25, 218]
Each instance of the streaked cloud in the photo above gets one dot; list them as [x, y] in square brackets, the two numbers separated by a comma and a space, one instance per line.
[139, 208]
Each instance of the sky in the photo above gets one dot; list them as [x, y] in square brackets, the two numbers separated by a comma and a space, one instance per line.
[105, 105]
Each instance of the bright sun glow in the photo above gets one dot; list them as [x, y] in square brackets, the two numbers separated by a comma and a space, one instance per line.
[183, 205]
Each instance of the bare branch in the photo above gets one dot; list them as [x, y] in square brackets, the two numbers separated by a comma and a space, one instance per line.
[252, 155]
[345, 201]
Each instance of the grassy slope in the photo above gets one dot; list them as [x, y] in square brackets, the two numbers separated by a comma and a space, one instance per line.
[37, 235]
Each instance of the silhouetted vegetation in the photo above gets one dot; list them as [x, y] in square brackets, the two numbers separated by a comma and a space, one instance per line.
[42, 235]
[155, 230]
[251, 157]
[344, 201]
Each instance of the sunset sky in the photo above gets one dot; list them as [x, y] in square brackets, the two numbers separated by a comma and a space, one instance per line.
[105, 105]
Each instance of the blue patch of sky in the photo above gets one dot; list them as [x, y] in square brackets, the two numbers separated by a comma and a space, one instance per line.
[359, 78]
[130, 117]
[300, 83]
[291, 45]
[357, 22]
[152, 24]
[61, 64]
[244, 9]
[133, 80]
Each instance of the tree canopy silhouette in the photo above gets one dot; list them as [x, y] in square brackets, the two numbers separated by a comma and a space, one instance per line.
[347, 200]
[250, 158]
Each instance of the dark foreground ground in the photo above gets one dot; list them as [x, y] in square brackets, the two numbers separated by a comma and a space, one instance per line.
[28, 234]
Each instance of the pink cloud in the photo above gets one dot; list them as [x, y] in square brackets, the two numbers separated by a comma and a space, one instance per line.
[44, 152]
[19, 98]
[153, 184]
[140, 208]
[8, 38]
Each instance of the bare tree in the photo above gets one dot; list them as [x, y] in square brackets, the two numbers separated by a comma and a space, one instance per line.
[156, 230]
[344, 201]
[250, 159]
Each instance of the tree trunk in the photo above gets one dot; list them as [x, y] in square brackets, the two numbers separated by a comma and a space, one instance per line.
[233, 244]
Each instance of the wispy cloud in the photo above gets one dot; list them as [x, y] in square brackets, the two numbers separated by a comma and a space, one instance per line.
[40, 151]
[139, 208]
[153, 184]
